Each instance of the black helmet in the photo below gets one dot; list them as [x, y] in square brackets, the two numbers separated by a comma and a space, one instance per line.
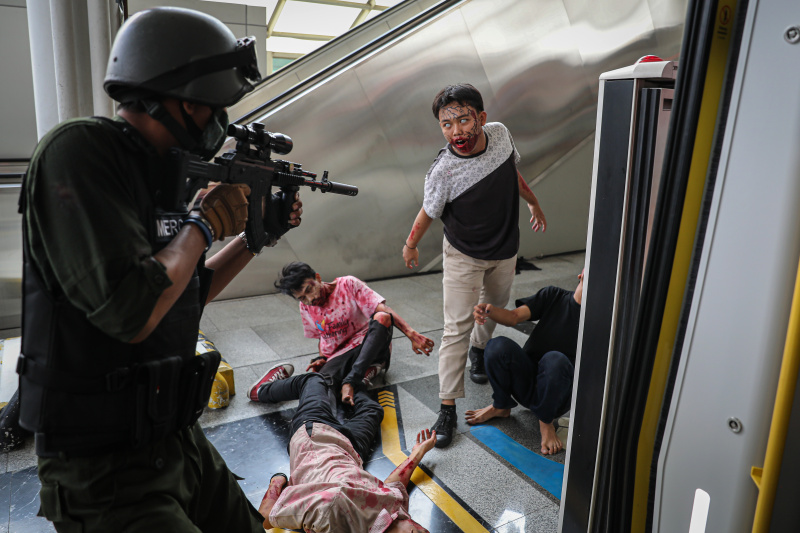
[170, 51]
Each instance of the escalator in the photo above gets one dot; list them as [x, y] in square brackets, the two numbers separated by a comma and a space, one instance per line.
[359, 107]
[366, 119]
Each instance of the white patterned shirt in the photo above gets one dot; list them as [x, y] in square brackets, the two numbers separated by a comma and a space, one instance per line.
[477, 197]
[451, 175]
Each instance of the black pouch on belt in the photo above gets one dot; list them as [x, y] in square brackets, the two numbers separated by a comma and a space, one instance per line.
[196, 383]
[156, 399]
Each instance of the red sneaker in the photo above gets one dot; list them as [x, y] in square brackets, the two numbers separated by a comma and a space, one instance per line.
[371, 372]
[279, 371]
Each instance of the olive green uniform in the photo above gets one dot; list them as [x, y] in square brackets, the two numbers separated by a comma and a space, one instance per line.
[85, 192]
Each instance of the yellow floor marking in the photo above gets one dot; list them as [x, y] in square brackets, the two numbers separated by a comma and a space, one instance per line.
[439, 497]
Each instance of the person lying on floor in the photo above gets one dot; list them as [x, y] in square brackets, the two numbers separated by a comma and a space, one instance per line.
[350, 320]
[328, 489]
[538, 375]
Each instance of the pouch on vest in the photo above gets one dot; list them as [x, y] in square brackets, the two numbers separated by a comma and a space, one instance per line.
[157, 398]
[198, 378]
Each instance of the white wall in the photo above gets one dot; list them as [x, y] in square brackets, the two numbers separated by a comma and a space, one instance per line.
[17, 113]
[17, 110]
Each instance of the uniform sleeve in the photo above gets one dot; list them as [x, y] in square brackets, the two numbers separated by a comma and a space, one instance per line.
[539, 302]
[309, 329]
[437, 190]
[366, 299]
[82, 224]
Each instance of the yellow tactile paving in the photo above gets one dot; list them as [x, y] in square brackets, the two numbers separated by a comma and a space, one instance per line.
[391, 448]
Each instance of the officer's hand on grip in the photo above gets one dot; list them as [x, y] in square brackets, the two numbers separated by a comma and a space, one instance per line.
[282, 211]
[297, 211]
[225, 208]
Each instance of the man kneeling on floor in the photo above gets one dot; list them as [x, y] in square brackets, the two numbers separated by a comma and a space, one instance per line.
[353, 325]
[538, 375]
[328, 489]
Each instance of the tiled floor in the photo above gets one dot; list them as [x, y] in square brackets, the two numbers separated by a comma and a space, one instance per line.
[486, 492]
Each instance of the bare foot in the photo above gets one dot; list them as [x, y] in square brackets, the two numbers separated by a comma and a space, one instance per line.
[550, 442]
[487, 413]
[347, 394]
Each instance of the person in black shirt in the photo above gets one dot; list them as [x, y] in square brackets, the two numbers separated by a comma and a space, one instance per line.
[538, 375]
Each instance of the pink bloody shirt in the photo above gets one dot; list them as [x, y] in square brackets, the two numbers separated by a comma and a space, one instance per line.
[329, 491]
[342, 322]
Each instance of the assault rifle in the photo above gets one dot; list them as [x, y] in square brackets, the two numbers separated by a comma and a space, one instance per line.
[250, 163]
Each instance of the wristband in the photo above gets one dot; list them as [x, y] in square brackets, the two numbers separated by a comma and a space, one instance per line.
[204, 226]
[243, 236]
[410, 248]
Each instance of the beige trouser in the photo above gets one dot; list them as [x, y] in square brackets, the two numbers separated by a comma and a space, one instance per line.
[467, 281]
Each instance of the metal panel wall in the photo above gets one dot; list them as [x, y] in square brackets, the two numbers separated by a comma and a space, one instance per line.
[536, 64]
[370, 124]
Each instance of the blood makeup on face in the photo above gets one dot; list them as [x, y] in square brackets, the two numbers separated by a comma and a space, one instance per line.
[465, 141]
[314, 293]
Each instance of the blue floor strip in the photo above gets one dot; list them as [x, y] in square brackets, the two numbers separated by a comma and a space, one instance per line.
[545, 472]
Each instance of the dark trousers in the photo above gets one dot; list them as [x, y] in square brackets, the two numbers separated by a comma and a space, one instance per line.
[317, 397]
[179, 484]
[544, 388]
[350, 366]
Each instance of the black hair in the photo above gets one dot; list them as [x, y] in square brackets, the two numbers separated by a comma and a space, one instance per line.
[293, 276]
[463, 93]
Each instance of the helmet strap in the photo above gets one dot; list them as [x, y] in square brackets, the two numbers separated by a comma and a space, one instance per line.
[159, 113]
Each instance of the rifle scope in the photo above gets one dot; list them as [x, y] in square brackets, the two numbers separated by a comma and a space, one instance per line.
[257, 135]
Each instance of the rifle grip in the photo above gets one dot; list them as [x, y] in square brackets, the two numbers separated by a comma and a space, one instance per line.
[287, 201]
[254, 230]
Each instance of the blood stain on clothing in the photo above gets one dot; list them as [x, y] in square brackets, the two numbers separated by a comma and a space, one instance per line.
[372, 500]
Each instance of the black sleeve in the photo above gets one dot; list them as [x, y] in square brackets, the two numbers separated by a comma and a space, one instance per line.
[540, 301]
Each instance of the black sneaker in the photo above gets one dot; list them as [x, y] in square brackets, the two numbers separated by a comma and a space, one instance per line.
[477, 372]
[445, 427]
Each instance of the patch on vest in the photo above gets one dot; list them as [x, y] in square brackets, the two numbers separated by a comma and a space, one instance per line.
[168, 225]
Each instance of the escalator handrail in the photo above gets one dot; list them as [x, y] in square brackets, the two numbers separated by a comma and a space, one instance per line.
[391, 35]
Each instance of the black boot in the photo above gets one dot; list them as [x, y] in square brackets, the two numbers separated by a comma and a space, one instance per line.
[445, 426]
[477, 372]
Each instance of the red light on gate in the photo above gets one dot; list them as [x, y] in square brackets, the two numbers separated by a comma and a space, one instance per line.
[649, 59]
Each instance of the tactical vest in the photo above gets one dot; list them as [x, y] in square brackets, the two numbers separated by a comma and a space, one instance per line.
[83, 392]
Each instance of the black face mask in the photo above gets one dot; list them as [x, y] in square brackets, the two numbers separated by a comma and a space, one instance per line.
[204, 143]
[209, 140]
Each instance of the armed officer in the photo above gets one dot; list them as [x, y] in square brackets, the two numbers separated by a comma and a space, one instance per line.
[115, 280]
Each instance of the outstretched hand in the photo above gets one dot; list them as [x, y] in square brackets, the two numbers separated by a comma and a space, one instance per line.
[426, 440]
[421, 343]
[481, 313]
